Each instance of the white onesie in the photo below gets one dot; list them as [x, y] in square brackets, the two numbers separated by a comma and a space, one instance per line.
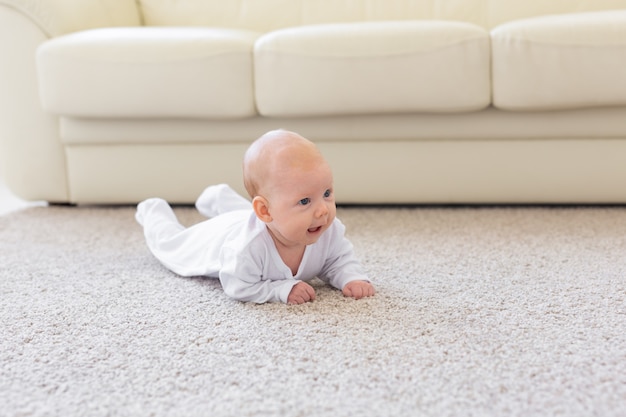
[236, 247]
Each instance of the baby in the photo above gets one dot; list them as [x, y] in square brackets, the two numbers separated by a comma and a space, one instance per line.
[266, 250]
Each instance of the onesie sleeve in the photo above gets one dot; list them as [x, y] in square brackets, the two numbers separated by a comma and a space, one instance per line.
[341, 265]
[244, 277]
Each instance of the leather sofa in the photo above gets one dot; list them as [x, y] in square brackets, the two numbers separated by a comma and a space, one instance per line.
[429, 101]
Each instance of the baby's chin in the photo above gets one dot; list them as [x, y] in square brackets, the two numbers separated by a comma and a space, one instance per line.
[312, 237]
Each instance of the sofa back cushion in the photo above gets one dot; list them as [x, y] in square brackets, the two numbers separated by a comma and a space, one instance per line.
[560, 62]
[372, 68]
[148, 72]
[267, 15]
[58, 17]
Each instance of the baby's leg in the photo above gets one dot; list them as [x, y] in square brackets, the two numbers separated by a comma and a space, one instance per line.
[157, 218]
[220, 199]
[180, 249]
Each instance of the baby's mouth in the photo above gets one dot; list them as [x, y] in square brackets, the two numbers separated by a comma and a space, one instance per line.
[315, 229]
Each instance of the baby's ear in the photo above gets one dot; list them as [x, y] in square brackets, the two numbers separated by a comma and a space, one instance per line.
[261, 208]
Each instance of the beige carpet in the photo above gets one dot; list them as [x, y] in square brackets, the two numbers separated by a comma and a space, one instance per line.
[479, 311]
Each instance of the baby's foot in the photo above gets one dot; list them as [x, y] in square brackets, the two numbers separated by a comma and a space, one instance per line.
[220, 199]
[152, 206]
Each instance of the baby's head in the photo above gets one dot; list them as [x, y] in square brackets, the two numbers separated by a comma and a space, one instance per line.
[291, 186]
[276, 155]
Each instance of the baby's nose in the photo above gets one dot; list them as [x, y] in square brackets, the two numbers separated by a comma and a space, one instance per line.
[322, 210]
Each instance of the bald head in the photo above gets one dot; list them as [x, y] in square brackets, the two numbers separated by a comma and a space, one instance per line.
[273, 156]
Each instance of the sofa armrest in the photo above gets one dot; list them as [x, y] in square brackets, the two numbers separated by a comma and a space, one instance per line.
[33, 159]
[57, 17]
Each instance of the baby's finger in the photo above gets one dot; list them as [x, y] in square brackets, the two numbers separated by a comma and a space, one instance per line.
[347, 292]
[310, 292]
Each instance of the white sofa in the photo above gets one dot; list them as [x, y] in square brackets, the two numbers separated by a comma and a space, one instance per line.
[412, 101]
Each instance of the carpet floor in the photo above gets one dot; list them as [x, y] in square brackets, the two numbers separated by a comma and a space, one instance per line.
[479, 312]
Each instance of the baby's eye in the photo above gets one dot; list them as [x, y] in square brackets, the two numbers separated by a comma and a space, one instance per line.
[304, 201]
[327, 193]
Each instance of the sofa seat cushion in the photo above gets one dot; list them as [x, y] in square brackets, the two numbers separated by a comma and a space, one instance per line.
[373, 67]
[148, 72]
[560, 62]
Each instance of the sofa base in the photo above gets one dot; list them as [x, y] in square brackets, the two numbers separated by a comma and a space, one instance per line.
[555, 171]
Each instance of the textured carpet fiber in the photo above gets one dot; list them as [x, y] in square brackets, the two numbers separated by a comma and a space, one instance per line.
[479, 311]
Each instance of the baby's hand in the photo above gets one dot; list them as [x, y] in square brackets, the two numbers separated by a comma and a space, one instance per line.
[358, 289]
[301, 293]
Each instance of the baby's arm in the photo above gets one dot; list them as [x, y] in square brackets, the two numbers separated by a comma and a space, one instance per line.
[257, 292]
[358, 289]
[245, 277]
[342, 270]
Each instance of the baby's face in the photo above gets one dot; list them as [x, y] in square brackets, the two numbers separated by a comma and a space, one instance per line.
[302, 206]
